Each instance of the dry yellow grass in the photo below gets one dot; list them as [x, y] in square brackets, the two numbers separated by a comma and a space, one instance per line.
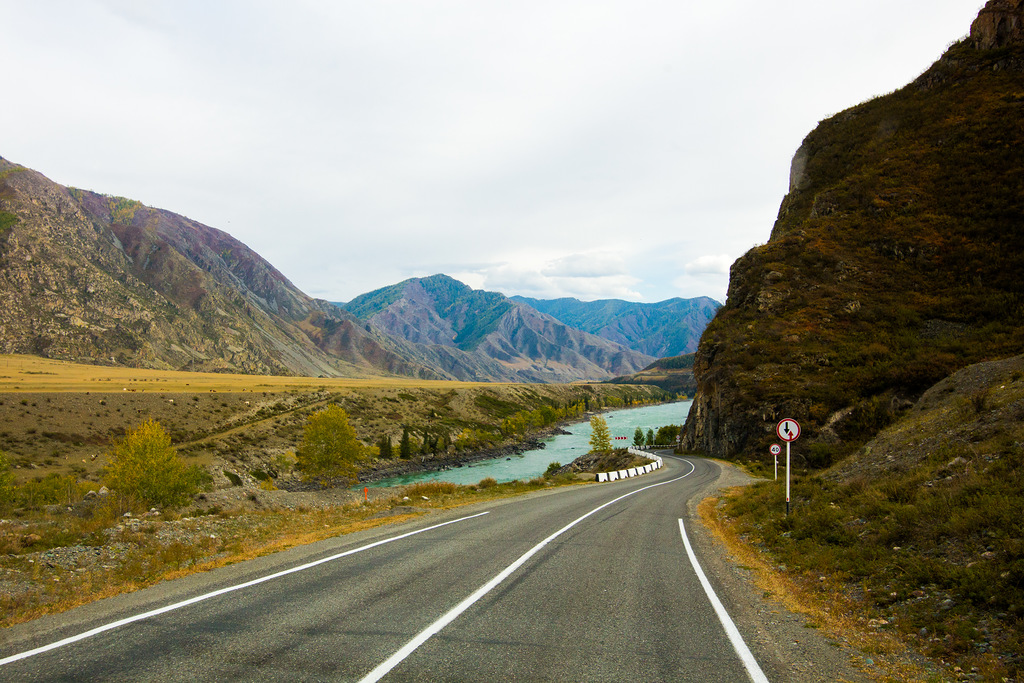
[823, 604]
[33, 374]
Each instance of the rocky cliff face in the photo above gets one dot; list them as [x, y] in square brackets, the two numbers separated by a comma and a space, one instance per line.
[1000, 23]
[895, 261]
[93, 278]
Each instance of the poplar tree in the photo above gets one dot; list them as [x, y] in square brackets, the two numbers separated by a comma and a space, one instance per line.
[600, 436]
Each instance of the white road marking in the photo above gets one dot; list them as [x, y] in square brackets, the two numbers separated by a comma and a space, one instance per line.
[394, 660]
[222, 591]
[753, 669]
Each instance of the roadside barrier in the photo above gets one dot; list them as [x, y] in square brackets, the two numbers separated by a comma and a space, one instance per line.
[633, 471]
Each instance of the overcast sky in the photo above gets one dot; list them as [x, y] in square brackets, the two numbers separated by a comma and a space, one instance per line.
[625, 149]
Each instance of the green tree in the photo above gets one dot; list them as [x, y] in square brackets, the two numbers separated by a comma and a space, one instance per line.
[667, 435]
[386, 451]
[329, 445]
[638, 437]
[405, 447]
[650, 437]
[600, 437]
[145, 467]
[6, 481]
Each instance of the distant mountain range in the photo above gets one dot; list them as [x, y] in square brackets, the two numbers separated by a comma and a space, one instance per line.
[667, 328]
[94, 278]
[472, 333]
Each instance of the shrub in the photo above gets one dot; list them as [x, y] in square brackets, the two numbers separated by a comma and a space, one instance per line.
[488, 482]
[552, 469]
[145, 467]
[329, 445]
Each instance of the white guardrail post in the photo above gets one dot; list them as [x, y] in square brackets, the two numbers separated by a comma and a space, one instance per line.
[633, 471]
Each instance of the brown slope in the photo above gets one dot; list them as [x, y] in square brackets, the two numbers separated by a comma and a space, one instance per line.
[102, 279]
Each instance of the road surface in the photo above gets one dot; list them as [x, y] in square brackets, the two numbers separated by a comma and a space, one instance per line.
[575, 584]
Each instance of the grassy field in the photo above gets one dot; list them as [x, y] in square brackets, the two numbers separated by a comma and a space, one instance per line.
[34, 374]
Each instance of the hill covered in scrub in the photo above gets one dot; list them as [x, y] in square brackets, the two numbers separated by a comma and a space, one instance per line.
[886, 314]
[896, 259]
[673, 374]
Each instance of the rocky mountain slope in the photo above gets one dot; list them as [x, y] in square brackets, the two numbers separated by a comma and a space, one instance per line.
[667, 328]
[102, 279]
[896, 259]
[476, 334]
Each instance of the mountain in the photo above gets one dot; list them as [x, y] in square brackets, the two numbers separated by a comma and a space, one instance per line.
[667, 328]
[102, 279]
[473, 334]
[94, 278]
[897, 259]
[674, 374]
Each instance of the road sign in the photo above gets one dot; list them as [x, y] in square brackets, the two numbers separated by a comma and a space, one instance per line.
[788, 430]
[775, 449]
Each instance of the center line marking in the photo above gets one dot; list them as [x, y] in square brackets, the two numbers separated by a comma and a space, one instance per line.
[394, 660]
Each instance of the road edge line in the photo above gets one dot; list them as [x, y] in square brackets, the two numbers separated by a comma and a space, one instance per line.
[738, 644]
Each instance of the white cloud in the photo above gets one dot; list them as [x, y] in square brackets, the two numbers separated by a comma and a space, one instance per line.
[710, 264]
[550, 149]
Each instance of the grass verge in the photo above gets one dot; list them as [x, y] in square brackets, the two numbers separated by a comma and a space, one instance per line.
[58, 561]
[821, 600]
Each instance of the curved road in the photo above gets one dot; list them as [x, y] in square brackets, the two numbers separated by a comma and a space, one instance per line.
[576, 584]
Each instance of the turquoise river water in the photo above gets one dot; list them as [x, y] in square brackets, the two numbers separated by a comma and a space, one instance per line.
[562, 448]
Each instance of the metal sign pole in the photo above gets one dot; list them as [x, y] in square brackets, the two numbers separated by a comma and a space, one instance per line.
[788, 430]
[787, 479]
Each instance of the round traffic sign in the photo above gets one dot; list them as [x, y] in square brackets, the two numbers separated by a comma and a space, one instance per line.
[788, 429]
[775, 449]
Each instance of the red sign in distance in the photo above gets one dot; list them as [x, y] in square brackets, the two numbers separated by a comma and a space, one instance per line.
[775, 449]
[788, 429]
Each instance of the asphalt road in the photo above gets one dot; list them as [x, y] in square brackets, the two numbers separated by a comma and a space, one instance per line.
[577, 584]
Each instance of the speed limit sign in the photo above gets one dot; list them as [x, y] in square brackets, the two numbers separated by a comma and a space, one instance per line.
[775, 449]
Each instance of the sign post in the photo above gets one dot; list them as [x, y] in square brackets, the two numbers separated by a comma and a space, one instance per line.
[788, 430]
[775, 450]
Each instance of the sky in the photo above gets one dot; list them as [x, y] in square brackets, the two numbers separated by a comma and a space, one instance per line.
[626, 149]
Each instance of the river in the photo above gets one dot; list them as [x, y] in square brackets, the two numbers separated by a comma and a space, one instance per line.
[561, 448]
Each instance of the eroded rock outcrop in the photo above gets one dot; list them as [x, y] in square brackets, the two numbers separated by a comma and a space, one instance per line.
[999, 24]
